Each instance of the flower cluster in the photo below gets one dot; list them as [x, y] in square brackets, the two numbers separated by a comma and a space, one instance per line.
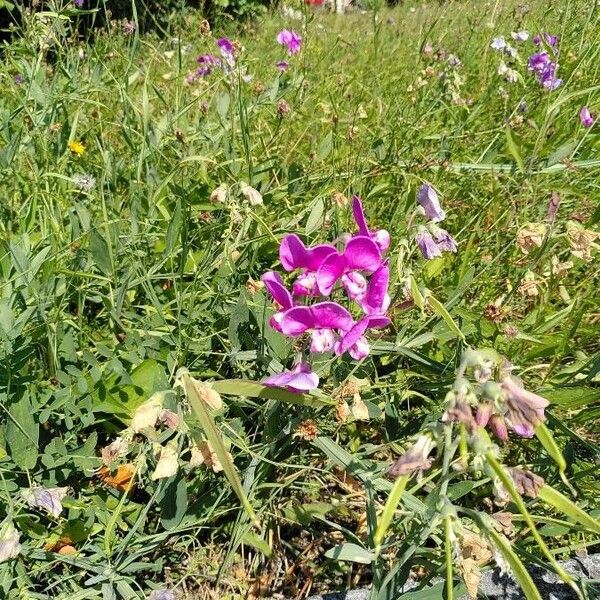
[510, 55]
[359, 270]
[542, 65]
[493, 397]
[207, 63]
[432, 239]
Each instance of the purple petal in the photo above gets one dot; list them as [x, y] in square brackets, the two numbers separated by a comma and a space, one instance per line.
[428, 199]
[293, 254]
[296, 321]
[330, 315]
[332, 268]
[359, 216]
[427, 244]
[300, 379]
[377, 300]
[378, 321]
[362, 254]
[277, 289]
[352, 336]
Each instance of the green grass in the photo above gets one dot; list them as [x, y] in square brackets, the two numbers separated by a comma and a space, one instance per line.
[106, 293]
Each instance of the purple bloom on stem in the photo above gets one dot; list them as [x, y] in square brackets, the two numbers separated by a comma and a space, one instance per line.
[280, 295]
[428, 199]
[78, 3]
[586, 117]
[544, 69]
[445, 242]
[206, 62]
[299, 380]
[355, 285]
[376, 299]
[354, 341]
[291, 40]
[18, 79]
[282, 65]
[381, 237]
[427, 245]
[498, 43]
[50, 499]
[525, 410]
[225, 45]
[360, 254]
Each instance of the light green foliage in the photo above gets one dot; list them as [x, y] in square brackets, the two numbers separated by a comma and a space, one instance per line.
[117, 269]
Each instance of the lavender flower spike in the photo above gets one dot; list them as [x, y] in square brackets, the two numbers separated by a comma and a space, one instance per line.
[427, 197]
[585, 116]
[299, 380]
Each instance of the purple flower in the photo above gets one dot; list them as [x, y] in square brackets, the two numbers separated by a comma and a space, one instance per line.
[586, 117]
[225, 45]
[381, 237]
[445, 242]
[544, 69]
[320, 320]
[129, 27]
[376, 299]
[524, 409]
[299, 380]
[282, 65]
[78, 3]
[50, 499]
[291, 40]
[280, 295]
[207, 62]
[18, 79]
[427, 197]
[498, 43]
[427, 245]
[360, 254]
[354, 341]
[551, 40]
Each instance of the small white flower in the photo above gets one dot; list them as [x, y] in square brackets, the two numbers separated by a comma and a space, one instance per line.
[84, 182]
[498, 43]
[252, 195]
[520, 36]
[9, 541]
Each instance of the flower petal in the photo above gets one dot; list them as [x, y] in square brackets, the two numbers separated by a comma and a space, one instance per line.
[293, 254]
[332, 268]
[300, 379]
[330, 315]
[296, 321]
[352, 336]
[277, 289]
[377, 300]
[359, 216]
[362, 253]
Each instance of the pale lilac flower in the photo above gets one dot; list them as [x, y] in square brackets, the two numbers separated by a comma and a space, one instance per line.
[164, 594]
[381, 237]
[18, 79]
[520, 36]
[129, 27]
[360, 254]
[586, 117]
[416, 458]
[355, 285]
[299, 380]
[551, 40]
[524, 409]
[454, 61]
[78, 3]
[445, 242]
[291, 40]
[511, 51]
[282, 65]
[427, 197]
[50, 499]
[427, 245]
[498, 43]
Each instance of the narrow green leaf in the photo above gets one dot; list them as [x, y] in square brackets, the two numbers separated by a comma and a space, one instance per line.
[563, 504]
[441, 311]
[389, 510]
[255, 389]
[518, 569]
[206, 421]
[351, 553]
[514, 150]
[544, 435]
[415, 292]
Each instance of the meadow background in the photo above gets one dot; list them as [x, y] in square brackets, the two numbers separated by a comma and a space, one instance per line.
[117, 269]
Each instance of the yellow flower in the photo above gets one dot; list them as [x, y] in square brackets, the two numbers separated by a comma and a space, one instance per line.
[76, 147]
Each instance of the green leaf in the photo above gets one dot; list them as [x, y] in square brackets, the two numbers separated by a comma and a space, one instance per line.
[351, 553]
[315, 218]
[441, 311]
[22, 433]
[544, 435]
[514, 149]
[174, 502]
[208, 425]
[389, 510]
[563, 504]
[100, 252]
[254, 389]
[520, 572]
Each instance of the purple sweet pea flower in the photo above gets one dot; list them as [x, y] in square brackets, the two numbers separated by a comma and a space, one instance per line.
[376, 299]
[18, 79]
[282, 65]
[299, 380]
[50, 499]
[586, 117]
[206, 64]
[525, 410]
[354, 341]
[78, 3]
[280, 295]
[544, 69]
[227, 50]
[293, 255]
[320, 320]
[291, 40]
[445, 242]
[427, 197]
[381, 237]
[360, 254]
[427, 245]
